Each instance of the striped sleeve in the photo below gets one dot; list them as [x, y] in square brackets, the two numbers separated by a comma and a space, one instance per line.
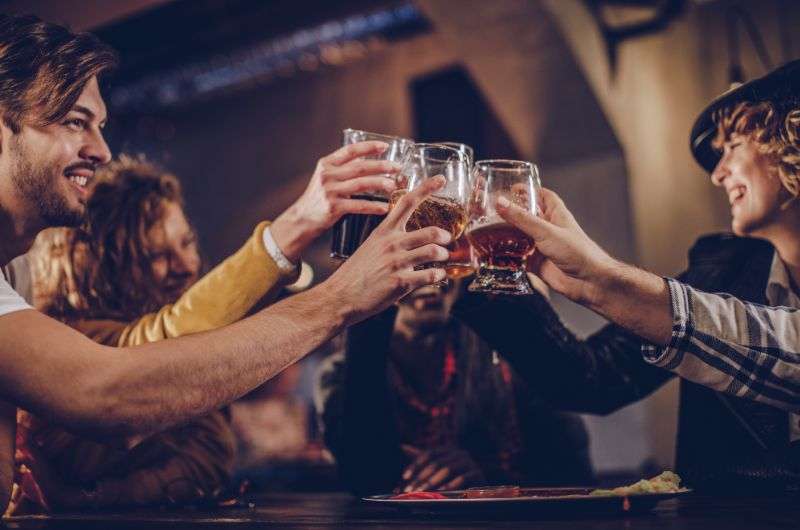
[740, 348]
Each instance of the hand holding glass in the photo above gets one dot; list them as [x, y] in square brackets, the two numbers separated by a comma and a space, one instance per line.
[501, 248]
[446, 208]
[352, 229]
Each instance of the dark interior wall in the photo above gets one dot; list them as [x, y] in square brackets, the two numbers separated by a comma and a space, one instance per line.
[246, 157]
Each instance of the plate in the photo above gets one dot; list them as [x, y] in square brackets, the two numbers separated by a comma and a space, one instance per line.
[545, 500]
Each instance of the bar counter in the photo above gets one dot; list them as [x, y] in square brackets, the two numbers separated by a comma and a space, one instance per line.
[339, 510]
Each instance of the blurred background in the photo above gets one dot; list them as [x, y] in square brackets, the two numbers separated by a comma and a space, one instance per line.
[241, 97]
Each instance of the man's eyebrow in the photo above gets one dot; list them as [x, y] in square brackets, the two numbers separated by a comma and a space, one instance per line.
[84, 110]
[88, 112]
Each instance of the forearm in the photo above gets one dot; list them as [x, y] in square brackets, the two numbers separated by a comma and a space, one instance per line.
[732, 346]
[597, 375]
[208, 370]
[718, 341]
[57, 373]
[632, 298]
[293, 233]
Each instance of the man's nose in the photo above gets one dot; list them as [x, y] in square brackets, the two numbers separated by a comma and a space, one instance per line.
[96, 149]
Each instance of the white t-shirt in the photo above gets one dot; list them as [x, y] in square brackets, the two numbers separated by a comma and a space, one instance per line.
[10, 300]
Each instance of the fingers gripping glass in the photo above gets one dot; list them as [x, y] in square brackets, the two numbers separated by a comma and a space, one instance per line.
[353, 229]
[500, 248]
[445, 208]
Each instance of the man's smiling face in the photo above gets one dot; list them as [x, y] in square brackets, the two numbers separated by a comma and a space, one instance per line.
[52, 166]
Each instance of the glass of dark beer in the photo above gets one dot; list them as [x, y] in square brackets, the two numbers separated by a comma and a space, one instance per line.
[502, 249]
[447, 207]
[352, 229]
[461, 263]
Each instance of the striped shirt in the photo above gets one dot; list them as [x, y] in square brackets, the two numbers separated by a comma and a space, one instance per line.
[740, 348]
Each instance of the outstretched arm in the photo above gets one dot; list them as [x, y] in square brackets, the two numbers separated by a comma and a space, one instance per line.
[60, 375]
[744, 349]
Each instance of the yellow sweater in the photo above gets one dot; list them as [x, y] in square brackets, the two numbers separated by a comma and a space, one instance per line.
[174, 464]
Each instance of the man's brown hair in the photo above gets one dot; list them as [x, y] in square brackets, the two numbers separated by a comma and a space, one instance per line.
[776, 131]
[44, 68]
[103, 270]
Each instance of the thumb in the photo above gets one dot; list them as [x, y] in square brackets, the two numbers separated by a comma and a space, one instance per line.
[533, 225]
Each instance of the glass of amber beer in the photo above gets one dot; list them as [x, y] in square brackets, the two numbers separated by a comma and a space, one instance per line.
[447, 207]
[352, 229]
[501, 249]
[460, 264]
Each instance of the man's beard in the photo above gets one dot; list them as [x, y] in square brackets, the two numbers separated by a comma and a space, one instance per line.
[38, 187]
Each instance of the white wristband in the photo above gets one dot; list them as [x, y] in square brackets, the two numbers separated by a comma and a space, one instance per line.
[275, 252]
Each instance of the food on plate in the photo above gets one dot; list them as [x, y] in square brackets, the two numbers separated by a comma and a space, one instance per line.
[666, 482]
[418, 495]
[492, 492]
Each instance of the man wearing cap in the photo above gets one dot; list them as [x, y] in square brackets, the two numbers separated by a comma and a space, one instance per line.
[736, 353]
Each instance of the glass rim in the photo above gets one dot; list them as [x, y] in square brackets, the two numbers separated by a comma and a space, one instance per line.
[504, 164]
[462, 156]
[380, 136]
[453, 144]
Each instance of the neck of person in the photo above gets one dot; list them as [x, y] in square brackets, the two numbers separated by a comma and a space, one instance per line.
[17, 231]
[785, 237]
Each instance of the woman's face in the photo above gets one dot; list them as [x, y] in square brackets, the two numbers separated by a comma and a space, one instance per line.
[754, 191]
[172, 246]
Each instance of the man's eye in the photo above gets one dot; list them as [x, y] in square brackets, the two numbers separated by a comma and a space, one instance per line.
[76, 124]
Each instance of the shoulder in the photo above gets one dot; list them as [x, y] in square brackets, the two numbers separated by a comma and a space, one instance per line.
[725, 247]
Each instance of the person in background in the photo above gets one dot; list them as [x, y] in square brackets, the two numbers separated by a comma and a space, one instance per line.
[417, 402]
[738, 354]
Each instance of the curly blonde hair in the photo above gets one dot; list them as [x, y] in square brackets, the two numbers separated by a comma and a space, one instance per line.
[102, 270]
[776, 132]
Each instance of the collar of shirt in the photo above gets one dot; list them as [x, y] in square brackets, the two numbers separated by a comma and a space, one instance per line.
[779, 285]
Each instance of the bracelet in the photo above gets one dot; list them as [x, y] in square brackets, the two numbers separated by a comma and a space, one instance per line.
[275, 252]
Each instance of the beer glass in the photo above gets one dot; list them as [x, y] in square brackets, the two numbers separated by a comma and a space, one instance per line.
[500, 248]
[464, 148]
[447, 207]
[352, 229]
[460, 264]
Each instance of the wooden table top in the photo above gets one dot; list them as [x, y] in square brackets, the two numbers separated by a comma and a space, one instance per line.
[339, 510]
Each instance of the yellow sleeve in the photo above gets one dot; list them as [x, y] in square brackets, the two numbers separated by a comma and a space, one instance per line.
[221, 297]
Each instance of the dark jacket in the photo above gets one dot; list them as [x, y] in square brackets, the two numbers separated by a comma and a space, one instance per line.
[724, 443]
[358, 412]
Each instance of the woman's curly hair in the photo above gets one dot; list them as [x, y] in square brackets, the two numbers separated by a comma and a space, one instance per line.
[102, 270]
[776, 131]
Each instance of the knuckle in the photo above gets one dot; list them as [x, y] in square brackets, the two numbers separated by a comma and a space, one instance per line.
[396, 282]
[432, 252]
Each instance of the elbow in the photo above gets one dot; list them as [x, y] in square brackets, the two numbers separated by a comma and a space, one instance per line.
[104, 406]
